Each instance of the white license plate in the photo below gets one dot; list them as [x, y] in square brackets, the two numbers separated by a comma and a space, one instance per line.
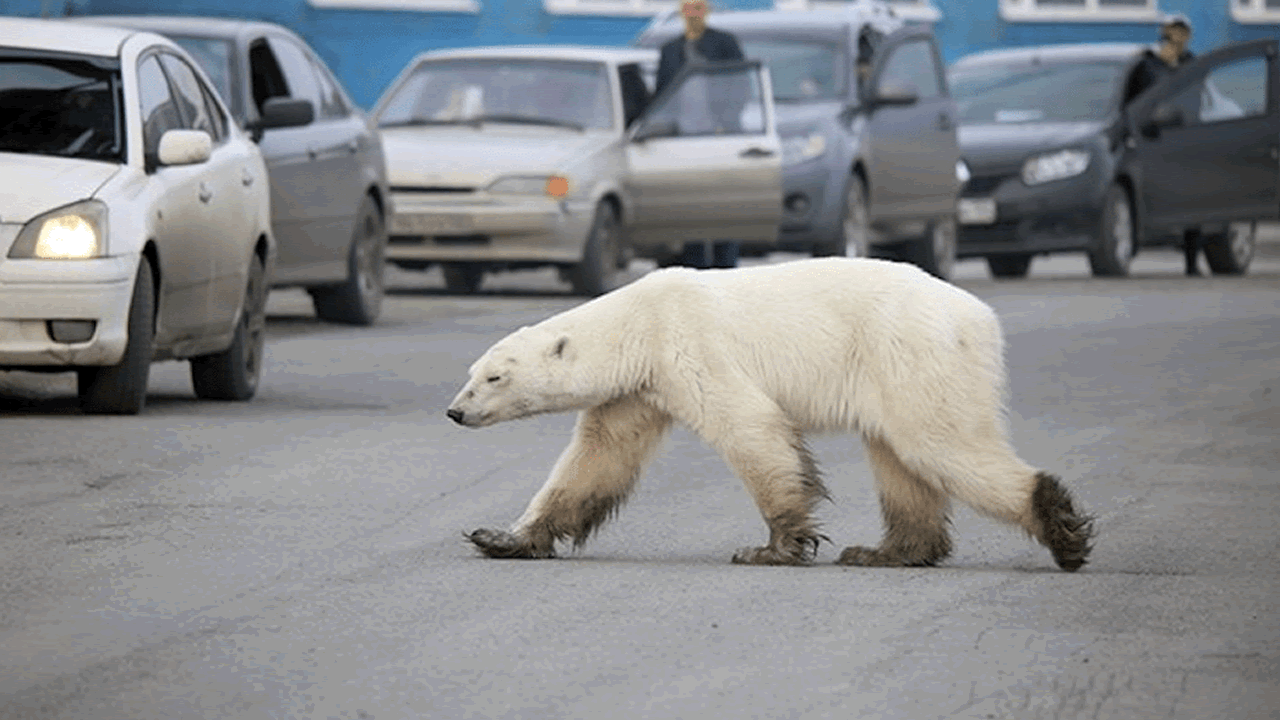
[977, 211]
[442, 224]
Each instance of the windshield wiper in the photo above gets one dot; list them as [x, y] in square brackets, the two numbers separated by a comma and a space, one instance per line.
[530, 120]
[423, 122]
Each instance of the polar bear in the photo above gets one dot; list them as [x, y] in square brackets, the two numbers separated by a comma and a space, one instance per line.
[751, 360]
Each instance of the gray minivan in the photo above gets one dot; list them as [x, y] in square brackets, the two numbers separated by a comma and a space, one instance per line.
[870, 167]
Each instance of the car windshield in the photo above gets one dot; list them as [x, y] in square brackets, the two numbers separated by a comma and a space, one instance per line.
[214, 56]
[1036, 91]
[536, 92]
[802, 68]
[60, 105]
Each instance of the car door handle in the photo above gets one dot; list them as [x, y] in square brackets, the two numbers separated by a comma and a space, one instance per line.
[944, 122]
[312, 154]
[353, 146]
[756, 152]
[205, 193]
[246, 178]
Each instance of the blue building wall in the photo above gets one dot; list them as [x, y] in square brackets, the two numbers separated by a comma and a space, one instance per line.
[367, 48]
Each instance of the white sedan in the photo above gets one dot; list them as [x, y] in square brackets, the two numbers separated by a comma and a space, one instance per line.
[134, 216]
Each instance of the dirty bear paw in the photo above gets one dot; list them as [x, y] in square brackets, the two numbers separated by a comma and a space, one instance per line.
[502, 544]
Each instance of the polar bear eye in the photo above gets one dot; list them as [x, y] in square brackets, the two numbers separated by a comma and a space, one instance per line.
[493, 378]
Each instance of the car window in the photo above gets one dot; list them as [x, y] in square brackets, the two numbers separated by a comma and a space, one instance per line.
[299, 76]
[714, 101]
[214, 57]
[1230, 92]
[635, 93]
[1036, 91]
[801, 69]
[265, 74]
[159, 110]
[194, 106]
[912, 65]
[57, 104]
[332, 104]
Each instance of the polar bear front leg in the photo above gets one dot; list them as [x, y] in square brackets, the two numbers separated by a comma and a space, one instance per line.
[596, 472]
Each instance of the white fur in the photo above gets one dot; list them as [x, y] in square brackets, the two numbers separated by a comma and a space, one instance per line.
[750, 359]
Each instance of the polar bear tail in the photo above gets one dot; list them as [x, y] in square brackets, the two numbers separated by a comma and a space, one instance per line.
[1058, 525]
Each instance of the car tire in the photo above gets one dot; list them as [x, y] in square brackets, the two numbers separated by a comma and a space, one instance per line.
[1113, 252]
[599, 270]
[935, 253]
[853, 235]
[358, 301]
[1231, 252]
[121, 389]
[233, 374]
[462, 278]
[1009, 267]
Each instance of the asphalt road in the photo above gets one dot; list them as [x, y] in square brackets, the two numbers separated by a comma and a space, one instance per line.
[301, 556]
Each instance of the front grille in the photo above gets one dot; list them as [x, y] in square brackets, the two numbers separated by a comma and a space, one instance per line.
[1004, 231]
[405, 240]
[983, 185]
[461, 239]
[431, 189]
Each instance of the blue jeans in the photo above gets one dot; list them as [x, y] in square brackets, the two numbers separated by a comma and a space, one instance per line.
[724, 254]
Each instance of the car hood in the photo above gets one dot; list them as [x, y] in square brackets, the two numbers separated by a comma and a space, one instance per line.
[994, 145]
[800, 118]
[34, 184]
[464, 157]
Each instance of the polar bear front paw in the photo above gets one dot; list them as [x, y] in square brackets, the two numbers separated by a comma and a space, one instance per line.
[768, 555]
[875, 557]
[502, 544]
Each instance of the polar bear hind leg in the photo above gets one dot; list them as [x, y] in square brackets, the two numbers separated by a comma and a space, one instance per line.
[610, 446]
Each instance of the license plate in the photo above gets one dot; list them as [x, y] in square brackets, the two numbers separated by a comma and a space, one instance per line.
[443, 224]
[977, 211]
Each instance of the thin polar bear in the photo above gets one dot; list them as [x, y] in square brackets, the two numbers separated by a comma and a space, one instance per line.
[753, 359]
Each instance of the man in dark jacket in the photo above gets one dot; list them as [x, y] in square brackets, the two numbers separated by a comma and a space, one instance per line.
[699, 44]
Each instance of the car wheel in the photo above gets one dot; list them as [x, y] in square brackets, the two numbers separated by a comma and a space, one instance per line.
[598, 272]
[1009, 266]
[233, 374]
[462, 278]
[1113, 253]
[358, 301]
[935, 253]
[121, 389]
[1230, 253]
[853, 237]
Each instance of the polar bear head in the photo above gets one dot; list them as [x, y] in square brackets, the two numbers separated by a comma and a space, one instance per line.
[533, 370]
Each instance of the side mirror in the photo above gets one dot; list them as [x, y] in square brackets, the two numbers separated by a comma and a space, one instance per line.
[184, 147]
[280, 112]
[655, 129]
[893, 96]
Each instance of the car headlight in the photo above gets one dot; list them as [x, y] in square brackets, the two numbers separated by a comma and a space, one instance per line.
[1054, 166]
[73, 232]
[798, 148]
[962, 172]
[556, 186]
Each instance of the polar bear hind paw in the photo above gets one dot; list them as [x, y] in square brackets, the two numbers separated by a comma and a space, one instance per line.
[875, 557]
[505, 545]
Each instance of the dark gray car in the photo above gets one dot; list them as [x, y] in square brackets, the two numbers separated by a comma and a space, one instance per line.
[869, 167]
[327, 171]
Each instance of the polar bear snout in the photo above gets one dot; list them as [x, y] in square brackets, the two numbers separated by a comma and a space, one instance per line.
[456, 415]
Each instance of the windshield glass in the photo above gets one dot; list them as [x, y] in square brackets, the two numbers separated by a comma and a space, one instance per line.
[802, 68]
[58, 105]
[538, 92]
[1036, 92]
[214, 56]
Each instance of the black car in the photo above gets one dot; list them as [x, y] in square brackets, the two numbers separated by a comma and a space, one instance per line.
[1061, 161]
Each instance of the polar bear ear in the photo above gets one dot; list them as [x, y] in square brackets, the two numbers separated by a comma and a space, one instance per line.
[560, 346]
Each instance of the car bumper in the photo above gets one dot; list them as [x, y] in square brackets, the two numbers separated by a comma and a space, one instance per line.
[811, 210]
[1056, 216]
[35, 292]
[430, 229]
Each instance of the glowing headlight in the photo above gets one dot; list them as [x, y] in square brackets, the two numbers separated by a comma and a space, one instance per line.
[74, 232]
[962, 172]
[1054, 166]
[556, 186]
[799, 148]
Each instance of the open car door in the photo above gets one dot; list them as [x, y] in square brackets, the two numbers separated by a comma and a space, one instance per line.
[1207, 139]
[705, 161]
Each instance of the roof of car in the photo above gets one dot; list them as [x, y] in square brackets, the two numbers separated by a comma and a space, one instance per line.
[616, 55]
[1066, 52]
[188, 24]
[83, 39]
[821, 19]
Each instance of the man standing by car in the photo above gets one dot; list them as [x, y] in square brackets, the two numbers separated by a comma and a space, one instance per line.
[1165, 59]
[700, 44]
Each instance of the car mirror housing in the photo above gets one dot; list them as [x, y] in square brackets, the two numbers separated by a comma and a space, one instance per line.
[184, 147]
[655, 129]
[282, 112]
[893, 96]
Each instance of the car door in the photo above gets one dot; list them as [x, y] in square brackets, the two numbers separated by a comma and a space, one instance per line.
[704, 159]
[330, 193]
[182, 223]
[1207, 139]
[913, 145]
[227, 192]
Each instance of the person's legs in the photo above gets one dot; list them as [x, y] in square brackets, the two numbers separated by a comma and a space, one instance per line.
[696, 255]
[725, 253]
[1191, 250]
